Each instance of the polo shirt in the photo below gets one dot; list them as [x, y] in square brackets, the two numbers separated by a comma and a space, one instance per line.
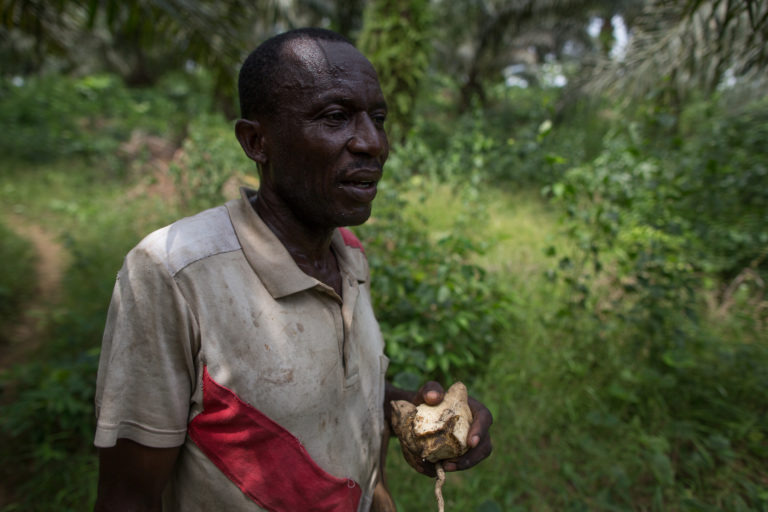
[274, 386]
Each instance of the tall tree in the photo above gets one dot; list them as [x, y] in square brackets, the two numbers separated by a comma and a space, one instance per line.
[483, 37]
[143, 39]
[396, 37]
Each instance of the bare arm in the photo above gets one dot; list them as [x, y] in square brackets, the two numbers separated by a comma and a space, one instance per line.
[132, 477]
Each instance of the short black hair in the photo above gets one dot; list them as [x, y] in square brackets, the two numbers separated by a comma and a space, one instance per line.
[261, 69]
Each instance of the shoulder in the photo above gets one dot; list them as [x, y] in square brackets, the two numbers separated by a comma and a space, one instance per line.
[352, 255]
[189, 240]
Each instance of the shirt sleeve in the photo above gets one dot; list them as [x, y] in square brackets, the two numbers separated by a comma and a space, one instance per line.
[147, 365]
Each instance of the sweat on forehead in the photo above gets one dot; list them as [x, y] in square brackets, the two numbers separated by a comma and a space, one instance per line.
[260, 73]
[306, 54]
[312, 59]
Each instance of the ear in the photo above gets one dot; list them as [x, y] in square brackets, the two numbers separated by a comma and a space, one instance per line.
[250, 134]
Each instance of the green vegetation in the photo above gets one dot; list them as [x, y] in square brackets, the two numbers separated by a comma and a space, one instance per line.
[393, 28]
[47, 420]
[593, 266]
[15, 284]
[96, 202]
[631, 371]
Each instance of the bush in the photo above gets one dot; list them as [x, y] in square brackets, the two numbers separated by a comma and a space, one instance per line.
[652, 226]
[210, 157]
[721, 185]
[517, 142]
[48, 117]
[441, 314]
[46, 429]
[655, 218]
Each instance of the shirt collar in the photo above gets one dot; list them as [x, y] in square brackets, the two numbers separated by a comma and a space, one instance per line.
[271, 260]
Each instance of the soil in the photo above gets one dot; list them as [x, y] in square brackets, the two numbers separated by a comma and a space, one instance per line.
[150, 156]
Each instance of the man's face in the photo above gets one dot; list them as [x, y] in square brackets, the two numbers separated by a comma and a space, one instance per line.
[326, 145]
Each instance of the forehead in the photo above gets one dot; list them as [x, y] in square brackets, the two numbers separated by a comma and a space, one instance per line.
[312, 66]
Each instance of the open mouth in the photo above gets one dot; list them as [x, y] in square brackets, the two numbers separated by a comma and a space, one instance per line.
[359, 184]
[361, 191]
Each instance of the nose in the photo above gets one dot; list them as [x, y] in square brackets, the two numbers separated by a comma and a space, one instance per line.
[367, 137]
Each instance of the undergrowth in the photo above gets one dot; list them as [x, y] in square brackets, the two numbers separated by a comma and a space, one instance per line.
[621, 372]
[16, 287]
[47, 423]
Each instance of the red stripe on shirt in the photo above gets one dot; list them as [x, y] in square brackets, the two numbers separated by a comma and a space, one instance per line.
[264, 460]
[350, 239]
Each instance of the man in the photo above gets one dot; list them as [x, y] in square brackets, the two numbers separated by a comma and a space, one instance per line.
[242, 367]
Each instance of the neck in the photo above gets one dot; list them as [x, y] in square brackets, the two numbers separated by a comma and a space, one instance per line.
[304, 241]
[309, 246]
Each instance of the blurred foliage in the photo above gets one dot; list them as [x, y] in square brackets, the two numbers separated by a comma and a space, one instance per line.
[141, 40]
[480, 42]
[670, 212]
[16, 287]
[50, 117]
[46, 428]
[393, 28]
[208, 160]
[722, 183]
[515, 142]
[655, 213]
[441, 314]
[693, 45]
[70, 169]
[634, 376]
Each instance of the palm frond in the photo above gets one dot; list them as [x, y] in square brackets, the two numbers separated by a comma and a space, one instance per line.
[699, 44]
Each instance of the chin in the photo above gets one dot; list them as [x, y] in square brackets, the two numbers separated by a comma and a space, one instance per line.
[354, 218]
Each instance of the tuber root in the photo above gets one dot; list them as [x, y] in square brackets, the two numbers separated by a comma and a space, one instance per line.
[434, 433]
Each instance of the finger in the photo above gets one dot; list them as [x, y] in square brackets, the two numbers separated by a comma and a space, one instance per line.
[431, 393]
[481, 423]
[475, 455]
[428, 469]
[424, 467]
[478, 439]
[450, 466]
[471, 458]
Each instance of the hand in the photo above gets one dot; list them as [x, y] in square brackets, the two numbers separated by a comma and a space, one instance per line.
[478, 438]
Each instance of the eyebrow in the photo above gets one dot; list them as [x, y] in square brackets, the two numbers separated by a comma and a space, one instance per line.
[348, 101]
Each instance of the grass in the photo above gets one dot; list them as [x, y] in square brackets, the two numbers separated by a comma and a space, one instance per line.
[566, 439]
[580, 422]
[518, 225]
[46, 425]
[15, 286]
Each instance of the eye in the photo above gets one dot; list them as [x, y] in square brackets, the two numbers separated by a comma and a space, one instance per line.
[336, 116]
[379, 118]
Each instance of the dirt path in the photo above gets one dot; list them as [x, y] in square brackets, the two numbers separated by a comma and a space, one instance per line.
[28, 333]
